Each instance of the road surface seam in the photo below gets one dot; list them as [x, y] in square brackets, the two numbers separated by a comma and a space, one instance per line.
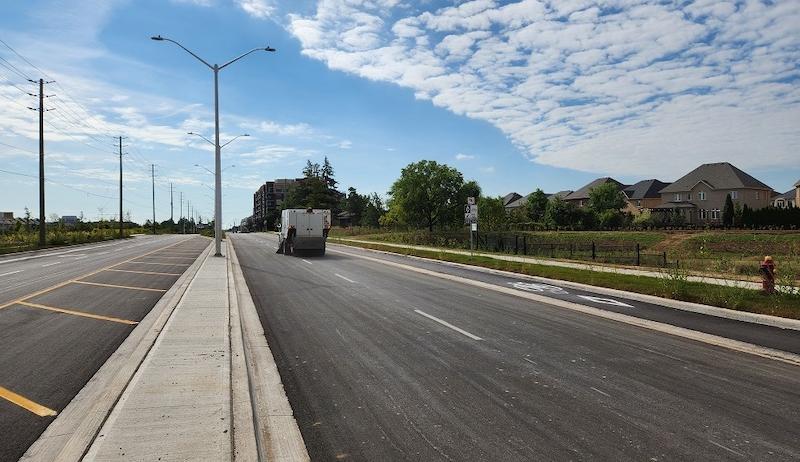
[710, 339]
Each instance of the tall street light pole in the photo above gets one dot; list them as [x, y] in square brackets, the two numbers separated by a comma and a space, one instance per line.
[217, 148]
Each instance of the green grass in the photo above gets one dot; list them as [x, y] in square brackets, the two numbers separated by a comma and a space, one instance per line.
[674, 286]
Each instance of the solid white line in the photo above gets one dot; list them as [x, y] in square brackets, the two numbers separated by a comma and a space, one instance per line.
[447, 324]
[600, 391]
[82, 256]
[346, 279]
[10, 273]
[306, 261]
[51, 264]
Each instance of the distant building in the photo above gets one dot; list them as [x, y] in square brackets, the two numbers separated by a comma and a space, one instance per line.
[581, 197]
[700, 194]
[69, 220]
[645, 194]
[7, 221]
[268, 199]
[785, 200]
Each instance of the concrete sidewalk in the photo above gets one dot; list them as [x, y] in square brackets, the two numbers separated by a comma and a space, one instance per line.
[195, 396]
[178, 404]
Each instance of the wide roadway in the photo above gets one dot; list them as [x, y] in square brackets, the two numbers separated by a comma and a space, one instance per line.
[64, 311]
[383, 363]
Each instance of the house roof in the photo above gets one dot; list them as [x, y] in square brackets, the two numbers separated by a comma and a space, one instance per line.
[521, 202]
[797, 185]
[645, 189]
[561, 194]
[720, 175]
[583, 193]
[787, 195]
[510, 197]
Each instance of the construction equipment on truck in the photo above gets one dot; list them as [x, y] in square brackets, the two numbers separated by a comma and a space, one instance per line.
[304, 231]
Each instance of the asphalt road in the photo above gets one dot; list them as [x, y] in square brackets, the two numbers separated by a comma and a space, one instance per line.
[63, 312]
[382, 363]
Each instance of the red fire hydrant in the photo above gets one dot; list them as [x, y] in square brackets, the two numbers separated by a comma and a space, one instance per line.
[767, 271]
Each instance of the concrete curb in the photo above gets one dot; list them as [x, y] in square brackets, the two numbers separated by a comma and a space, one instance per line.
[245, 443]
[71, 434]
[744, 316]
[566, 264]
[277, 435]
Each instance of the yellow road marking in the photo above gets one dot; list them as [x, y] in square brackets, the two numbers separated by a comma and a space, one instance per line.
[117, 286]
[25, 403]
[159, 263]
[144, 272]
[78, 313]
[62, 284]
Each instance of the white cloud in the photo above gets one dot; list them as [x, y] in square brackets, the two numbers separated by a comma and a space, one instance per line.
[461, 156]
[272, 153]
[261, 9]
[612, 88]
[274, 128]
[489, 169]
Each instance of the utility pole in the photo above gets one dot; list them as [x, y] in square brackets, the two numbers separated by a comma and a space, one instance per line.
[153, 178]
[41, 109]
[183, 223]
[121, 220]
[171, 210]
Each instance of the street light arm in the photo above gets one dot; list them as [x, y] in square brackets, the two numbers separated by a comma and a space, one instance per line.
[201, 136]
[160, 38]
[242, 56]
[233, 139]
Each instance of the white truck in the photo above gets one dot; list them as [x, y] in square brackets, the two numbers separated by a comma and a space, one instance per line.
[303, 230]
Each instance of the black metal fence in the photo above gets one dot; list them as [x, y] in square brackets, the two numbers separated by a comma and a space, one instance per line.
[521, 244]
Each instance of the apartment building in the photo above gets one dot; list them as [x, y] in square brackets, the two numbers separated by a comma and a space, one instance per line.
[268, 198]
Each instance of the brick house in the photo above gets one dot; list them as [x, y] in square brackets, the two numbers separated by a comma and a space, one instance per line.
[700, 194]
[639, 196]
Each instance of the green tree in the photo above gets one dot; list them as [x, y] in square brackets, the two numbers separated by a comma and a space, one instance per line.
[727, 211]
[428, 195]
[606, 196]
[537, 205]
[560, 213]
[491, 214]
[373, 212]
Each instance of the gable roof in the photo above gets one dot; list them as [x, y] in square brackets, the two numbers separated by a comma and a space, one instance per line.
[583, 193]
[797, 185]
[720, 175]
[516, 203]
[787, 195]
[510, 197]
[561, 194]
[645, 189]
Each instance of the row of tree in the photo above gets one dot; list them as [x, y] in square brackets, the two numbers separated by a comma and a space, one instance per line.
[429, 195]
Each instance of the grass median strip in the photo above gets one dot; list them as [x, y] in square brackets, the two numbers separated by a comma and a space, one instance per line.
[25, 403]
[672, 285]
[78, 313]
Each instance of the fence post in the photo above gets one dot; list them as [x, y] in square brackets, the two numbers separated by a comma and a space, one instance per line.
[571, 248]
[594, 251]
[665, 258]
[552, 251]
[516, 244]
[525, 244]
[638, 255]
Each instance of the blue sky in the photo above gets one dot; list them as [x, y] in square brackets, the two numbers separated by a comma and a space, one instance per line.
[516, 95]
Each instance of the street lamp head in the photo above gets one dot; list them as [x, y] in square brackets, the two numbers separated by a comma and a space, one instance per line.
[191, 133]
[157, 38]
[266, 49]
[246, 134]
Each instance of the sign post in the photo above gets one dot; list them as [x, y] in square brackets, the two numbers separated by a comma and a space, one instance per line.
[471, 219]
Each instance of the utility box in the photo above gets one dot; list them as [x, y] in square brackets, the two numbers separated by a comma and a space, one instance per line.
[304, 230]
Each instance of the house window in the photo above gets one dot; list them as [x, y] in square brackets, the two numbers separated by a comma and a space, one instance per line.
[703, 215]
[638, 203]
[758, 195]
[701, 195]
[734, 194]
[688, 196]
[677, 197]
[715, 214]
